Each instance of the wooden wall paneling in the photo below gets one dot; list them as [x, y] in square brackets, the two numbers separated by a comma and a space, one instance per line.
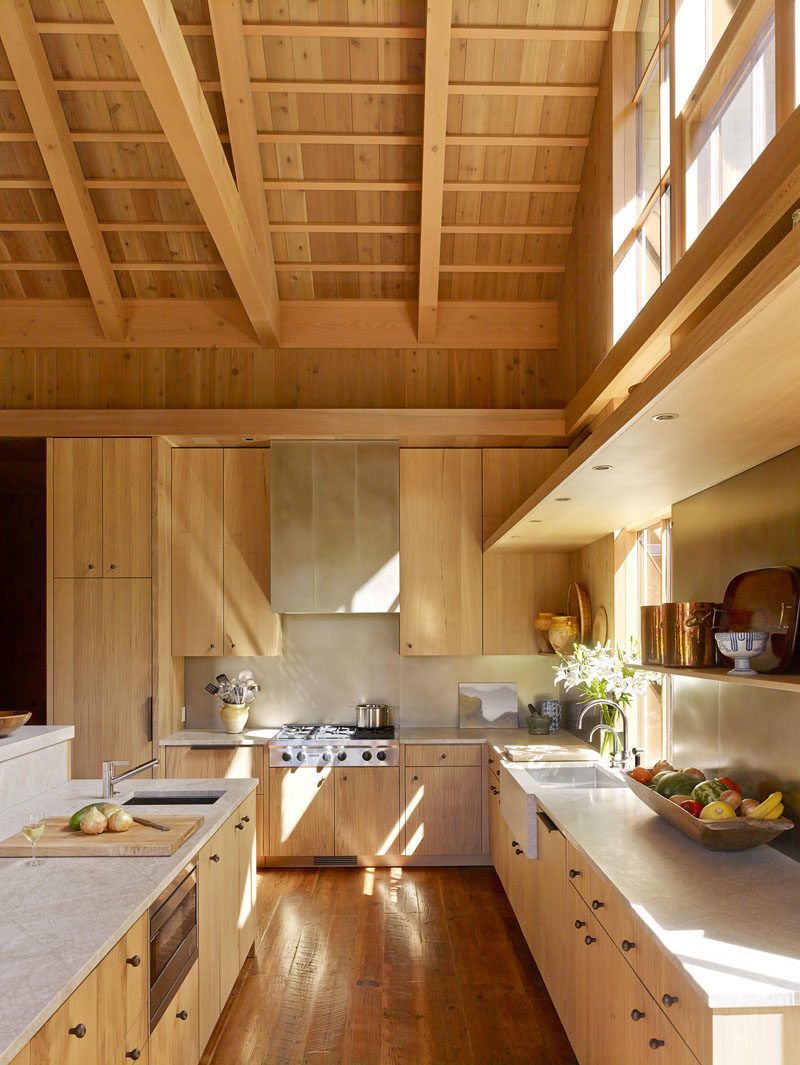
[594, 567]
[250, 626]
[78, 507]
[49, 503]
[127, 507]
[197, 551]
[168, 670]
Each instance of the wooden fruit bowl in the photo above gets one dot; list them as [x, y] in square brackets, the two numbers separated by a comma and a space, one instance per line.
[739, 835]
[11, 720]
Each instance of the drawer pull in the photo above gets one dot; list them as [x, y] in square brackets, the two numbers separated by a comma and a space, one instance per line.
[669, 1000]
[79, 1031]
[589, 940]
[514, 843]
[580, 924]
[134, 1054]
[491, 761]
[415, 778]
[597, 904]
[517, 851]
[135, 961]
[444, 756]
[182, 1015]
[627, 945]
[240, 826]
[214, 857]
[573, 873]
[654, 1044]
[246, 819]
[637, 1015]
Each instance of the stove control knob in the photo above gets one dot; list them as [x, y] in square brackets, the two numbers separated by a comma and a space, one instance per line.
[326, 756]
[286, 756]
[381, 756]
[342, 755]
[301, 756]
[367, 756]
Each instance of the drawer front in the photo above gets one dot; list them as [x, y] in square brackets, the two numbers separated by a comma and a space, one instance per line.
[216, 763]
[135, 1040]
[493, 761]
[452, 754]
[608, 906]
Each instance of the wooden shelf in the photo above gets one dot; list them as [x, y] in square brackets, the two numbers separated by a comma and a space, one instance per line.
[780, 681]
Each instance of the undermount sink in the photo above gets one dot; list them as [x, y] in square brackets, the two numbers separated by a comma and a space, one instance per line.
[575, 777]
[175, 798]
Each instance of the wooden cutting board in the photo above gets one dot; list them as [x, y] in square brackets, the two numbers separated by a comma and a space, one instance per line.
[541, 752]
[59, 841]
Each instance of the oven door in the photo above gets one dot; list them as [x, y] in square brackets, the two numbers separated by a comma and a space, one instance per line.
[173, 940]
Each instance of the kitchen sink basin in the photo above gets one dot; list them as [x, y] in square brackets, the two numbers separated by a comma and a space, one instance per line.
[176, 798]
[588, 776]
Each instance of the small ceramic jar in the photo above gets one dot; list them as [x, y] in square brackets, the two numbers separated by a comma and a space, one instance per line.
[563, 633]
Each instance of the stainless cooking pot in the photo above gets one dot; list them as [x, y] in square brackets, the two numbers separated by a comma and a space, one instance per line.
[372, 715]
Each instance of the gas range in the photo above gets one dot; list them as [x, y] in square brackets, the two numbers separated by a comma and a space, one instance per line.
[333, 745]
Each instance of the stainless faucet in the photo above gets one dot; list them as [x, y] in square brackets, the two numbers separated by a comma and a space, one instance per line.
[619, 746]
[109, 780]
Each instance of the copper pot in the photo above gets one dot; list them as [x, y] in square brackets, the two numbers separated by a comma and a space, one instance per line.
[688, 634]
[652, 636]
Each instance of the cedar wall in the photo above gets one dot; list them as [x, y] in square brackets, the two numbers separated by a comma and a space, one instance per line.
[71, 379]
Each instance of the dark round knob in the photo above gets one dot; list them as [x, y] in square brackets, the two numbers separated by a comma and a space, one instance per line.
[654, 1044]
[301, 756]
[589, 940]
[135, 961]
[409, 645]
[214, 857]
[491, 761]
[91, 565]
[112, 566]
[246, 818]
[134, 1054]
[573, 873]
[344, 778]
[669, 1000]
[415, 778]
[636, 1015]
[286, 756]
[627, 945]
[518, 851]
[240, 826]
[233, 645]
[342, 755]
[444, 756]
[326, 756]
[367, 756]
[212, 645]
[182, 1016]
[597, 904]
[514, 843]
[79, 1031]
[580, 924]
[381, 756]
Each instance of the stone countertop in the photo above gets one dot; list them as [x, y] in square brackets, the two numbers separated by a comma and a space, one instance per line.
[728, 921]
[258, 737]
[62, 918]
[31, 738]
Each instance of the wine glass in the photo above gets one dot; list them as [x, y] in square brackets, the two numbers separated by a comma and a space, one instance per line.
[32, 831]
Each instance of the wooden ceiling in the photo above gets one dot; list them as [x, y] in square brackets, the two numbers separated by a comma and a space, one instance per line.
[413, 171]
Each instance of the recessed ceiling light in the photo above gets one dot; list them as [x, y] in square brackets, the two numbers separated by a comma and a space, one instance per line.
[602, 467]
[563, 499]
[665, 417]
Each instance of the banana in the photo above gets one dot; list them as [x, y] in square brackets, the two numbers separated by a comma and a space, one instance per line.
[767, 806]
[776, 813]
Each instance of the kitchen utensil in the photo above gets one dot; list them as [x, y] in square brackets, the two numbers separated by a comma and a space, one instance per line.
[11, 720]
[688, 634]
[151, 824]
[212, 689]
[767, 600]
[59, 841]
[564, 633]
[741, 647]
[652, 636]
[372, 715]
[736, 834]
[222, 680]
[542, 624]
[600, 627]
[578, 606]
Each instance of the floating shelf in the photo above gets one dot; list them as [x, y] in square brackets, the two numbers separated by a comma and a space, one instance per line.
[780, 681]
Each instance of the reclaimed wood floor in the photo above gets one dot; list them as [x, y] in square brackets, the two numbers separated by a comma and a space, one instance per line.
[391, 967]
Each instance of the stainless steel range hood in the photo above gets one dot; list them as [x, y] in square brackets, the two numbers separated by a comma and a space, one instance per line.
[335, 527]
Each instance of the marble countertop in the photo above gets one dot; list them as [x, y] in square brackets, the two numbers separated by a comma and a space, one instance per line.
[258, 737]
[62, 918]
[31, 738]
[728, 921]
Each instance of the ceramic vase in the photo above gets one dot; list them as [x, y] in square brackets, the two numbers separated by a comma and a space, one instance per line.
[234, 716]
[563, 633]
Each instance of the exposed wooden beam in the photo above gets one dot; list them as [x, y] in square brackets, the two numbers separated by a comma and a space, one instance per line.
[785, 60]
[21, 226]
[152, 37]
[437, 77]
[156, 323]
[286, 185]
[29, 63]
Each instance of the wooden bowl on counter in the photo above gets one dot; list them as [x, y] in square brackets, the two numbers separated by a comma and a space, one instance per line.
[11, 720]
[741, 834]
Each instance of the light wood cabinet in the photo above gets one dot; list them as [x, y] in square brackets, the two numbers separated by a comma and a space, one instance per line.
[443, 810]
[367, 810]
[301, 812]
[217, 925]
[215, 762]
[102, 670]
[445, 754]
[220, 553]
[175, 1039]
[498, 833]
[549, 902]
[245, 833]
[72, 1035]
[441, 552]
[122, 987]
[101, 507]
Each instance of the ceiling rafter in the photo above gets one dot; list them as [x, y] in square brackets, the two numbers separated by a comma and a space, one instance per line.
[152, 37]
[437, 78]
[28, 60]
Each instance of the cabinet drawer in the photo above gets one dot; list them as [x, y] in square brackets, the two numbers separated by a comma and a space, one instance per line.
[457, 754]
[216, 763]
[493, 761]
[608, 906]
[135, 1039]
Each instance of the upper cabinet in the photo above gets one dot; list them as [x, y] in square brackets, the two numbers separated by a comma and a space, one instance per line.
[101, 507]
[440, 552]
[220, 553]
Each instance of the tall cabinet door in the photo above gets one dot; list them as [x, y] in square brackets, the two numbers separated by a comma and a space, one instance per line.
[127, 480]
[251, 628]
[441, 552]
[77, 507]
[197, 597]
[102, 670]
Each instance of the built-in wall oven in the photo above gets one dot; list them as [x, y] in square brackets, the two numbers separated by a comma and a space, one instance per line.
[173, 940]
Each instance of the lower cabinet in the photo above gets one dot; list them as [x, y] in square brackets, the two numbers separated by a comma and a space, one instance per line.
[301, 804]
[367, 810]
[175, 1040]
[72, 1035]
[443, 810]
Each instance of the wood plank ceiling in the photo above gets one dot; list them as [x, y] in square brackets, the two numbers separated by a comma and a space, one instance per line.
[122, 182]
